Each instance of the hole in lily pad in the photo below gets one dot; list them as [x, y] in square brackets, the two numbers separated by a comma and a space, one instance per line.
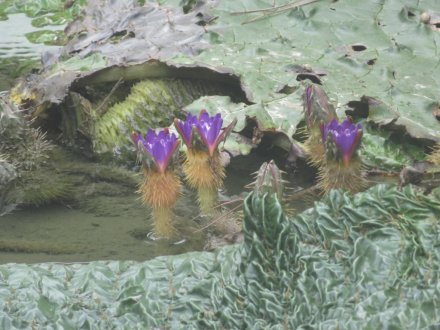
[286, 89]
[310, 76]
[358, 109]
[411, 14]
[372, 61]
[306, 72]
[358, 47]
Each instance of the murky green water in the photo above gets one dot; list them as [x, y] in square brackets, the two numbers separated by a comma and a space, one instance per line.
[106, 225]
[59, 233]
[101, 218]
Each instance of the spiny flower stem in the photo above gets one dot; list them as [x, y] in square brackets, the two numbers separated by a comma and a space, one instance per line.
[335, 175]
[207, 197]
[160, 191]
[315, 150]
[163, 222]
[202, 170]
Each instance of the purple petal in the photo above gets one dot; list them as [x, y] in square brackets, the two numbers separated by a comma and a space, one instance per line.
[203, 116]
[160, 146]
[326, 128]
[345, 135]
[346, 124]
[209, 129]
[185, 129]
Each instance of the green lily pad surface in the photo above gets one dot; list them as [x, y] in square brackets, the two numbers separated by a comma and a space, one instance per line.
[368, 261]
[380, 150]
[381, 56]
[377, 49]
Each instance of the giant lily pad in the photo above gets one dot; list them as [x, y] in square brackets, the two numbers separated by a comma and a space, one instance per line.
[382, 51]
[347, 262]
[382, 58]
[278, 116]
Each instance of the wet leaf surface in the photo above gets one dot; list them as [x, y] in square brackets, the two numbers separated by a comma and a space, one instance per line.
[347, 261]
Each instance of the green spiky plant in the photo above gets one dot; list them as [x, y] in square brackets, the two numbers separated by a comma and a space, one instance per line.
[7, 177]
[268, 179]
[26, 150]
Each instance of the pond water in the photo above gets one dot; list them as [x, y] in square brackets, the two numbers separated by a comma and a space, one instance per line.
[13, 41]
[62, 234]
[109, 226]
[17, 54]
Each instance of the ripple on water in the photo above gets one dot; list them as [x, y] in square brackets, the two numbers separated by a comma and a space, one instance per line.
[13, 41]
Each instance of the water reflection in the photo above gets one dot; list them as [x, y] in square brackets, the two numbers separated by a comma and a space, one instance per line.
[13, 41]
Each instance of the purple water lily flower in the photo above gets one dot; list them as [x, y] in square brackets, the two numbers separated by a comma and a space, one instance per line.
[160, 146]
[329, 127]
[346, 136]
[185, 128]
[209, 129]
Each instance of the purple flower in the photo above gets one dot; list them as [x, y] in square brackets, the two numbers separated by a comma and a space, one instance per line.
[185, 128]
[209, 130]
[346, 136]
[160, 147]
[329, 127]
